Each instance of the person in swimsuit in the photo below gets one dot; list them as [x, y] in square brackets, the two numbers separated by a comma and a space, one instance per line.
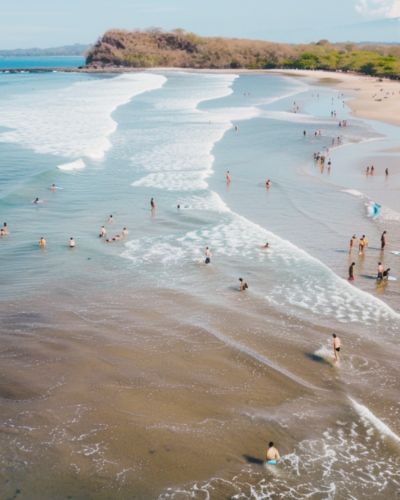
[361, 246]
[228, 177]
[383, 240]
[266, 246]
[208, 256]
[386, 273]
[153, 205]
[36, 201]
[353, 239]
[381, 270]
[243, 285]
[336, 346]
[42, 242]
[71, 243]
[53, 187]
[351, 271]
[364, 241]
[125, 232]
[387, 171]
[5, 230]
[110, 219]
[272, 454]
[103, 231]
[372, 170]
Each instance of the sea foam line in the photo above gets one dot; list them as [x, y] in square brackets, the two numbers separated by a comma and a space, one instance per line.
[367, 415]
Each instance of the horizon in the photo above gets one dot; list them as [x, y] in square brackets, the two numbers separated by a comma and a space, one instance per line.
[72, 22]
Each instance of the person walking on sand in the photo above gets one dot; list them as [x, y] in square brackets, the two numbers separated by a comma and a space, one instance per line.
[272, 454]
[71, 243]
[208, 256]
[228, 177]
[353, 239]
[153, 205]
[336, 346]
[383, 240]
[42, 242]
[243, 285]
[351, 271]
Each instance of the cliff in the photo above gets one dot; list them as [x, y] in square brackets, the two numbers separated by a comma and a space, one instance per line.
[154, 48]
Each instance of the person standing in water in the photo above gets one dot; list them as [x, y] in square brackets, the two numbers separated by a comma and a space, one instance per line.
[336, 346]
[383, 240]
[42, 242]
[353, 239]
[361, 246]
[110, 219]
[272, 454]
[5, 230]
[208, 256]
[387, 172]
[71, 243]
[364, 241]
[153, 205]
[243, 285]
[351, 271]
[125, 232]
[381, 270]
[228, 177]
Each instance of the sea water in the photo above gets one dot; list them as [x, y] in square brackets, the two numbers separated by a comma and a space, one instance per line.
[110, 144]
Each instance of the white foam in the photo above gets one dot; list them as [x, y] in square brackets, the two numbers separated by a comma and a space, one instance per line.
[75, 165]
[180, 156]
[354, 192]
[368, 417]
[73, 121]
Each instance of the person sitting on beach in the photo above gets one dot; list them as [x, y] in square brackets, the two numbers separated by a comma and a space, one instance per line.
[351, 271]
[243, 285]
[125, 232]
[110, 219]
[42, 242]
[71, 243]
[272, 454]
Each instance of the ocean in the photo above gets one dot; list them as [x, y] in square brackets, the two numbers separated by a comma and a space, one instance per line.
[130, 368]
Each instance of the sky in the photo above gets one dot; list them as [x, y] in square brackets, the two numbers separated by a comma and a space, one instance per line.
[52, 23]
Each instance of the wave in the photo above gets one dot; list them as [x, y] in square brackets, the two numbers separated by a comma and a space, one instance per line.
[368, 417]
[73, 121]
[75, 165]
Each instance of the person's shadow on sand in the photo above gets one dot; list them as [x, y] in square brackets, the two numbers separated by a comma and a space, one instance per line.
[318, 359]
[253, 460]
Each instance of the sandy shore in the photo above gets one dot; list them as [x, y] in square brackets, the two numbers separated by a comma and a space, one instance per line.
[373, 99]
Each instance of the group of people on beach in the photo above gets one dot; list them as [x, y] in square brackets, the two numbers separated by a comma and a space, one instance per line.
[363, 244]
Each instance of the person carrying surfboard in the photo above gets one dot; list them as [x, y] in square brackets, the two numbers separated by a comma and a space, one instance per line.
[272, 454]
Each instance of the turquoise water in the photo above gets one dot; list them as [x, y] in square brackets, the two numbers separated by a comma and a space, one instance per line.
[111, 143]
[26, 63]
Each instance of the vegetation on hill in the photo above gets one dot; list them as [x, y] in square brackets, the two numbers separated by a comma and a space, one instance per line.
[155, 48]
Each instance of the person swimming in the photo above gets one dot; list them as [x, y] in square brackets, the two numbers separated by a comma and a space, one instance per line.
[36, 201]
[71, 243]
[42, 242]
[266, 245]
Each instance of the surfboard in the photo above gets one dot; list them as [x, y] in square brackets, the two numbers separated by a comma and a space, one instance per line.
[39, 201]
[391, 278]
[396, 253]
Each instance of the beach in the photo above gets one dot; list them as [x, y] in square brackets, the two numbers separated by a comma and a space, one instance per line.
[133, 369]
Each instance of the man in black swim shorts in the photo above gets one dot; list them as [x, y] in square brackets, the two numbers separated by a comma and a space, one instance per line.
[336, 346]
